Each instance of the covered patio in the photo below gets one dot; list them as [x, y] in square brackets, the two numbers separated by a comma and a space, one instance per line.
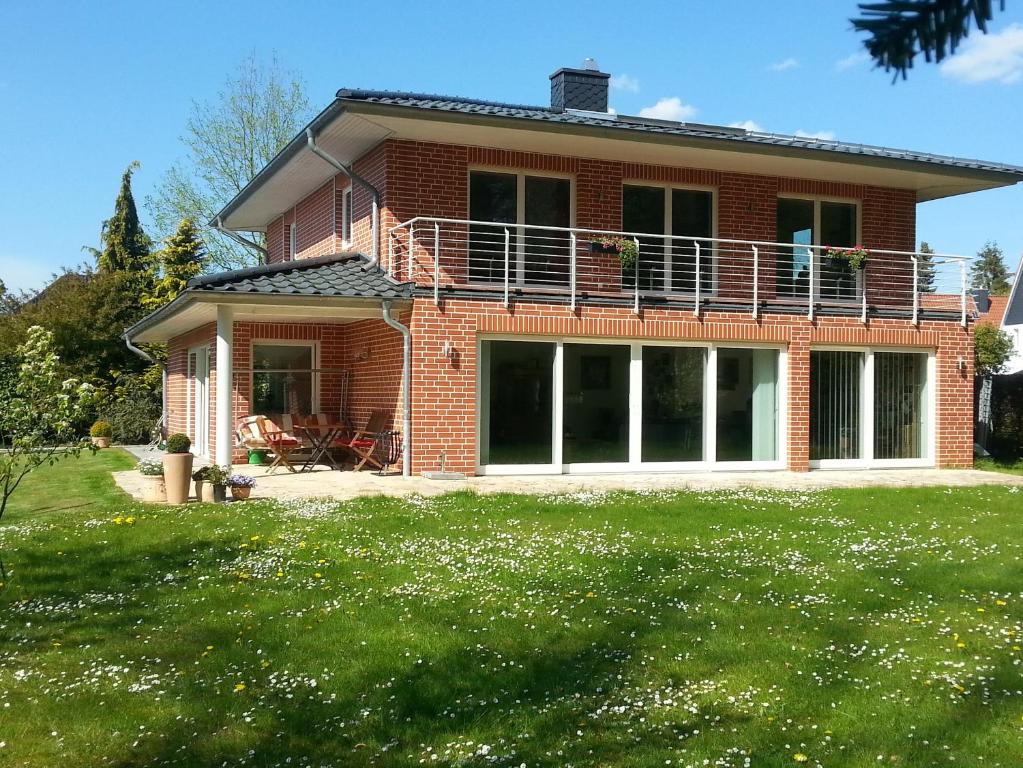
[316, 344]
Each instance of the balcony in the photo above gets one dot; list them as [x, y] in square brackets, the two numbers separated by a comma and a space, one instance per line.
[514, 261]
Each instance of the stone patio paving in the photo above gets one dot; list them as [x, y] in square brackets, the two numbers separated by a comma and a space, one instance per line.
[348, 485]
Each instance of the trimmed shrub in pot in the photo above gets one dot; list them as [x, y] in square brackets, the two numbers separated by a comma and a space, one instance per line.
[101, 433]
[177, 468]
[153, 489]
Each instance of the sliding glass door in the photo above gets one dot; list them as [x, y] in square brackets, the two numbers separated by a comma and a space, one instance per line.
[870, 407]
[553, 406]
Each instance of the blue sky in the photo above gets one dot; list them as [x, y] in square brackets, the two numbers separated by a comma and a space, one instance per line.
[86, 88]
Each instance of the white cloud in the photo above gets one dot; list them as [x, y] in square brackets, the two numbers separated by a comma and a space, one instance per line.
[822, 135]
[669, 108]
[852, 60]
[784, 65]
[988, 57]
[624, 82]
[749, 125]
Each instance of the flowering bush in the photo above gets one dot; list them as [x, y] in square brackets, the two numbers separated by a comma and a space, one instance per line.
[150, 467]
[856, 256]
[241, 481]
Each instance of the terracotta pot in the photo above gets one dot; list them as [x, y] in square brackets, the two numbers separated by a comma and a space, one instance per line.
[101, 442]
[240, 493]
[213, 494]
[177, 476]
[153, 489]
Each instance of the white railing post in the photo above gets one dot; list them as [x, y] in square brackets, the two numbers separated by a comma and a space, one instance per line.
[696, 287]
[635, 268]
[390, 257]
[507, 267]
[571, 269]
[916, 290]
[436, 264]
[411, 246]
[810, 283]
[756, 281]
[863, 289]
[962, 290]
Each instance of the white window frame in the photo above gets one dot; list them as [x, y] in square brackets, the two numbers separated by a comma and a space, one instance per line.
[346, 219]
[192, 405]
[670, 230]
[867, 460]
[817, 200]
[520, 207]
[709, 461]
[292, 241]
[315, 378]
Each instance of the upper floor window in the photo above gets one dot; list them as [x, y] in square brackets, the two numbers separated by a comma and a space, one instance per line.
[669, 264]
[346, 218]
[808, 222]
[534, 255]
[292, 241]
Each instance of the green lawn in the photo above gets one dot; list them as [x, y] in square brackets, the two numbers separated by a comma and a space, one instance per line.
[1009, 466]
[845, 628]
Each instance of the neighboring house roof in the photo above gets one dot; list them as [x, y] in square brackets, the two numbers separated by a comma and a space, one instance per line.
[325, 288]
[342, 275]
[995, 312]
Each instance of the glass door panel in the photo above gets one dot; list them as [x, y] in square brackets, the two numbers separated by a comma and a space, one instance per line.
[546, 253]
[492, 197]
[643, 211]
[673, 403]
[835, 405]
[900, 381]
[795, 225]
[596, 403]
[692, 215]
[747, 404]
[838, 229]
[517, 398]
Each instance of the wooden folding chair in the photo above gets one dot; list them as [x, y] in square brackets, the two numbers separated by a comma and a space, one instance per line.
[364, 442]
[280, 442]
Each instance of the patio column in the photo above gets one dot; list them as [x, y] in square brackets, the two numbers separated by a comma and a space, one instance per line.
[225, 376]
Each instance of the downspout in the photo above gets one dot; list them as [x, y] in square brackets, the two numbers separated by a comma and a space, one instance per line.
[374, 259]
[163, 379]
[239, 239]
[406, 385]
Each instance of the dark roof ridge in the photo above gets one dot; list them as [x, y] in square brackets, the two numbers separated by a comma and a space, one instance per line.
[363, 93]
[204, 281]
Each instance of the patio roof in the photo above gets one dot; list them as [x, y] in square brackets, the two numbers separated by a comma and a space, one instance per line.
[340, 287]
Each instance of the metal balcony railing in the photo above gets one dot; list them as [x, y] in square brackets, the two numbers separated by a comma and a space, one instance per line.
[693, 272]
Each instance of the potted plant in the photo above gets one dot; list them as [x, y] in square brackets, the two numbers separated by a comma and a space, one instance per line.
[101, 433]
[624, 247]
[241, 486]
[853, 258]
[177, 468]
[211, 483]
[153, 489]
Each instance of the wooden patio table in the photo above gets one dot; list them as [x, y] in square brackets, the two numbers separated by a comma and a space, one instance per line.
[321, 438]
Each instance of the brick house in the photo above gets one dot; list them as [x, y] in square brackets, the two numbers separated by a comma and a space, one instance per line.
[565, 289]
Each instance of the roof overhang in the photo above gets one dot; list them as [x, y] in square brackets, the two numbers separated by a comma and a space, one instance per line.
[350, 127]
[195, 308]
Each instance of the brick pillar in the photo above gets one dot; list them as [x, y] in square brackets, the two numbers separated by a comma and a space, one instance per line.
[799, 400]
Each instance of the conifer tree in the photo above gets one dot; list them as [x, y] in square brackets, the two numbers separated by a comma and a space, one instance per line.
[182, 258]
[925, 272]
[125, 246]
[989, 271]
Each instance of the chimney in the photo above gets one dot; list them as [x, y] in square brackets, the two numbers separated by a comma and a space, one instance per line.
[584, 89]
[982, 298]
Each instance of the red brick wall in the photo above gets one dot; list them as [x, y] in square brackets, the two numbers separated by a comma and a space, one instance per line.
[444, 392]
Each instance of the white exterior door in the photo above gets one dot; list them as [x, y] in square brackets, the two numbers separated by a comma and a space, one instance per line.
[199, 399]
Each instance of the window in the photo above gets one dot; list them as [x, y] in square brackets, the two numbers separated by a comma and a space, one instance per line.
[346, 218]
[747, 404]
[292, 241]
[673, 381]
[805, 223]
[517, 398]
[869, 406]
[670, 265]
[535, 257]
[282, 378]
